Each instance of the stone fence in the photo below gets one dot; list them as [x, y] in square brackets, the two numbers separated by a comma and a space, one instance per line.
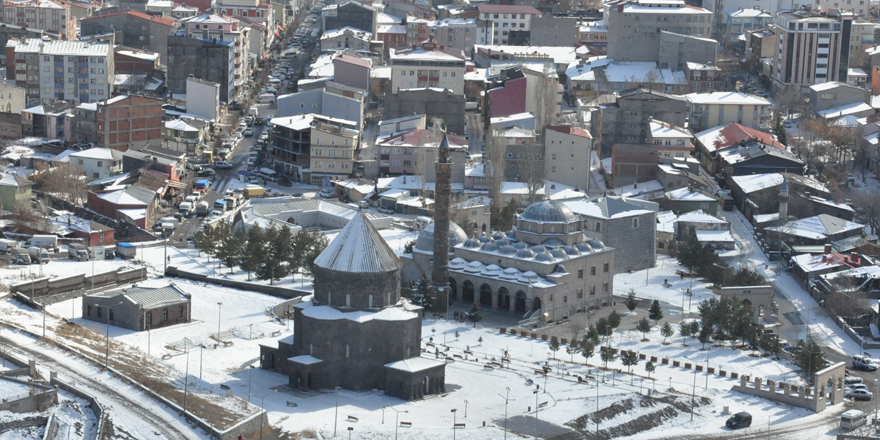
[37, 400]
[52, 290]
[281, 292]
[100, 414]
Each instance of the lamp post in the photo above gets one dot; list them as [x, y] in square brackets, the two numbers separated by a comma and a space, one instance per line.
[219, 307]
[876, 384]
[465, 408]
[507, 400]
[250, 370]
[396, 418]
[349, 432]
[43, 307]
[263, 406]
[185, 380]
[537, 390]
[453, 423]
[693, 392]
[107, 349]
[201, 355]
[336, 414]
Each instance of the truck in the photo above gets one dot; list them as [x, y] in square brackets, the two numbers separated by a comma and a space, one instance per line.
[78, 252]
[39, 254]
[20, 256]
[7, 244]
[201, 186]
[43, 241]
[253, 111]
[185, 209]
[202, 209]
[220, 205]
[126, 251]
[170, 221]
[253, 191]
[102, 252]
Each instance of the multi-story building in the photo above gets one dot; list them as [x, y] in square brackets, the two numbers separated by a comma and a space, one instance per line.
[740, 21]
[291, 142]
[129, 60]
[594, 36]
[670, 140]
[567, 154]
[428, 66]
[393, 36]
[352, 14]
[857, 7]
[77, 71]
[861, 37]
[201, 58]
[98, 163]
[719, 108]
[812, 47]
[47, 15]
[635, 28]
[125, 122]
[410, 152]
[85, 128]
[347, 37]
[463, 33]
[332, 151]
[137, 29]
[703, 77]
[417, 30]
[508, 18]
[12, 98]
[334, 99]
[628, 119]
[224, 28]
[51, 120]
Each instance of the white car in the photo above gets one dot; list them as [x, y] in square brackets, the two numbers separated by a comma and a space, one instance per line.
[274, 81]
[326, 193]
[222, 165]
[858, 394]
[249, 132]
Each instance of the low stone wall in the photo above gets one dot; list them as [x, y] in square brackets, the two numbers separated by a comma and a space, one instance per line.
[51, 428]
[27, 422]
[280, 292]
[800, 396]
[38, 402]
[54, 290]
[96, 407]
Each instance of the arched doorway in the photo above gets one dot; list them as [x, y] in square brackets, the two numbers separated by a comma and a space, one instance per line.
[486, 295]
[467, 291]
[298, 380]
[520, 302]
[484, 228]
[503, 298]
[453, 290]
[536, 303]
[309, 380]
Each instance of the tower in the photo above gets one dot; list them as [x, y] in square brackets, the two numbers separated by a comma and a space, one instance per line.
[442, 195]
[783, 201]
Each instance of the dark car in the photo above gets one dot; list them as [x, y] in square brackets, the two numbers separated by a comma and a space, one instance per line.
[285, 182]
[207, 172]
[739, 420]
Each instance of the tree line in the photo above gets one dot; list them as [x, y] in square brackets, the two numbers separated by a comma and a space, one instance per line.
[701, 259]
[269, 253]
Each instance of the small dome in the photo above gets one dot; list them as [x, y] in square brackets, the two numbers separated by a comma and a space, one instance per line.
[549, 211]
[510, 234]
[491, 270]
[497, 236]
[583, 247]
[560, 269]
[457, 263]
[485, 239]
[544, 256]
[521, 245]
[525, 253]
[553, 242]
[503, 242]
[596, 244]
[507, 250]
[474, 267]
[571, 250]
[425, 241]
[538, 249]
[528, 276]
[472, 244]
[557, 253]
[490, 246]
[511, 273]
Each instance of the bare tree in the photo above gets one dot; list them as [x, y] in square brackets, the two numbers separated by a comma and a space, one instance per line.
[65, 181]
[867, 205]
[532, 173]
[545, 97]
[494, 164]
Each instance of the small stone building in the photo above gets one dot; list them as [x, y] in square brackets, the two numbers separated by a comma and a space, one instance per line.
[139, 307]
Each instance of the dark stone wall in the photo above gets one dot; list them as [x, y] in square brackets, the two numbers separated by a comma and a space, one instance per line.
[408, 386]
[383, 286]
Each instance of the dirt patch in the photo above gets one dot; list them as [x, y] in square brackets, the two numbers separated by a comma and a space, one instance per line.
[667, 408]
[585, 421]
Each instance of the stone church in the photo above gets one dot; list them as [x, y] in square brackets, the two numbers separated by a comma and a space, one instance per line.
[356, 332]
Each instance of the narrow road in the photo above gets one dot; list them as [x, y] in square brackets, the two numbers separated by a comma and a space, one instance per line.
[130, 411]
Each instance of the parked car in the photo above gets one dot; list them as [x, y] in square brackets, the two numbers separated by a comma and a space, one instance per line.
[739, 420]
[222, 165]
[859, 395]
[249, 132]
[384, 210]
[284, 181]
[863, 363]
[207, 172]
[326, 193]
[854, 387]
[852, 380]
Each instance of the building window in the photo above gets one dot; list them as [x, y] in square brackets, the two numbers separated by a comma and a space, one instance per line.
[605, 268]
[598, 227]
[149, 318]
[635, 222]
[593, 270]
[180, 313]
[592, 290]
[164, 315]
[580, 273]
[604, 287]
[100, 312]
[347, 351]
[89, 310]
[111, 314]
[580, 294]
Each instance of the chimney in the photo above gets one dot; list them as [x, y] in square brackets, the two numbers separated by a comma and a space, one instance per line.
[828, 249]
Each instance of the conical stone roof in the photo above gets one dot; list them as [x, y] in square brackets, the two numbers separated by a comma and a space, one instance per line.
[359, 248]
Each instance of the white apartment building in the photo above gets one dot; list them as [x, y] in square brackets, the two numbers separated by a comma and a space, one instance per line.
[567, 152]
[224, 28]
[76, 71]
[331, 151]
[428, 66]
[857, 7]
[45, 15]
[463, 33]
[507, 18]
[98, 163]
[811, 48]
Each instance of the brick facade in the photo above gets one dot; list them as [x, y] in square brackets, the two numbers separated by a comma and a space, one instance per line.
[127, 122]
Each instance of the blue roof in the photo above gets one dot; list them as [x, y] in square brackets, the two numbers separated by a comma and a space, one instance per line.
[202, 182]
[220, 201]
[246, 173]
[125, 245]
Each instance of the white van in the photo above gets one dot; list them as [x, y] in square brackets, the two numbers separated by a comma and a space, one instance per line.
[853, 419]
[268, 174]
[266, 98]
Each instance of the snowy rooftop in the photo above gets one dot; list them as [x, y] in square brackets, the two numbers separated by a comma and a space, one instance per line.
[727, 98]
[305, 359]
[817, 227]
[99, 154]
[402, 312]
[509, 274]
[611, 207]
[714, 236]
[844, 110]
[688, 195]
[660, 129]
[699, 216]
[358, 248]
[757, 182]
[414, 365]
[815, 263]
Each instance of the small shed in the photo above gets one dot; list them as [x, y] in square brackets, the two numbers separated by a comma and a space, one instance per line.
[414, 378]
[140, 306]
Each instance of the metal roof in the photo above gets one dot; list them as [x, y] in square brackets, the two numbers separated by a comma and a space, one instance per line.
[149, 297]
[549, 211]
[359, 248]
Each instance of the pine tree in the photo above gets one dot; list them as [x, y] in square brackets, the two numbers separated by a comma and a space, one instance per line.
[603, 328]
[554, 345]
[587, 351]
[666, 331]
[607, 356]
[649, 367]
[230, 250]
[629, 358]
[655, 313]
[317, 243]
[592, 335]
[684, 329]
[809, 358]
[252, 256]
[614, 319]
[474, 315]
[571, 349]
[631, 301]
[644, 326]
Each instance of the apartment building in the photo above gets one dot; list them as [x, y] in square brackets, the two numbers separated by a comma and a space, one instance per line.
[857, 7]
[567, 152]
[76, 71]
[227, 29]
[332, 151]
[352, 14]
[206, 59]
[47, 15]
[711, 109]
[463, 33]
[429, 65]
[413, 152]
[738, 22]
[635, 26]
[134, 29]
[507, 18]
[253, 13]
[125, 122]
[347, 37]
[416, 30]
[812, 47]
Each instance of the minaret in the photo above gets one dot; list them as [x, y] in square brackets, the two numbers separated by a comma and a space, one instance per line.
[442, 195]
[783, 201]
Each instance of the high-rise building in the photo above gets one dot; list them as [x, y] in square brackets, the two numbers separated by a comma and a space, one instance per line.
[47, 15]
[812, 47]
[635, 29]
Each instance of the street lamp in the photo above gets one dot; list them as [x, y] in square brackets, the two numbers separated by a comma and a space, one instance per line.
[465, 408]
[107, 350]
[537, 390]
[185, 377]
[693, 392]
[507, 400]
[219, 307]
[250, 370]
[263, 406]
[453, 424]
[336, 415]
[876, 384]
[396, 418]
[349, 432]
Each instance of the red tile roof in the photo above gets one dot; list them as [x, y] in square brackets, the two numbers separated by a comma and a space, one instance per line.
[568, 129]
[736, 133]
[354, 60]
[170, 22]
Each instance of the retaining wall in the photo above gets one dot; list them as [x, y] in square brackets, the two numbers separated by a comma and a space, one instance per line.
[280, 292]
[100, 415]
[51, 428]
[54, 290]
[33, 403]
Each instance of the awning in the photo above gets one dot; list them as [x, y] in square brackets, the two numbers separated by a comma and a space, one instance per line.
[280, 28]
[176, 184]
[277, 34]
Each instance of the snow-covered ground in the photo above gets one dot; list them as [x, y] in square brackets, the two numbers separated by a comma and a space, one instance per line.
[74, 417]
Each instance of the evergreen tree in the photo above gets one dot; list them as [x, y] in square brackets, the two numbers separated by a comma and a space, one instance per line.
[614, 319]
[644, 326]
[649, 367]
[607, 356]
[631, 301]
[230, 250]
[554, 345]
[587, 351]
[204, 242]
[705, 335]
[268, 264]
[571, 349]
[475, 315]
[629, 358]
[592, 335]
[779, 129]
[252, 256]
[666, 331]
[603, 328]
[655, 313]
[318, 242]
[684, 329]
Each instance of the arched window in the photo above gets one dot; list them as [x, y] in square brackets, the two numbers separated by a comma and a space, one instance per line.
[598, 227]
[311, 349]
[347, 300]
[370, 301]
[346, 351]
[387, 298]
